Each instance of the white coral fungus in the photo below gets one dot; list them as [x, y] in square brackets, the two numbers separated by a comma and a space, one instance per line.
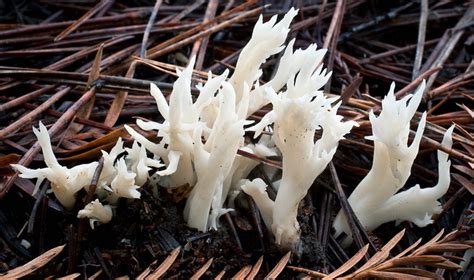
[96, 212]
[297, 113]
[120, 177]
[65, 182]
[375, 200]
[213, 162]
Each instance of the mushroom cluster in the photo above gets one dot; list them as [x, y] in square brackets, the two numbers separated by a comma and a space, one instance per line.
[199, 138]
[124, 172]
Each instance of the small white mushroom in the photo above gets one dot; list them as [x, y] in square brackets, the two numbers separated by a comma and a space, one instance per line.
[123, 185]
[96, 212]
[65, 182]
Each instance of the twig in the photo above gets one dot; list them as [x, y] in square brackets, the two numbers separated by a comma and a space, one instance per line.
[396, 51]
[446, 45]
[156, 52]
[233, 230]
[421, 38]
[149, 25]
[200, 46]
[119, 101]
[413, 84]
[356, 229]
[164, 266]
[24, 98]
[330, 42]
[33, 265]
[81, 20]
[28, 118]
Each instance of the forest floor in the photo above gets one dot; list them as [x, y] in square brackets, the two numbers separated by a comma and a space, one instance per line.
[49, 70]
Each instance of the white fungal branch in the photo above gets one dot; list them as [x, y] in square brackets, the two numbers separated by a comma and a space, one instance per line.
[117, 179]
[213, 162]
[139, 163]
[182, 117]
[96, 212]
[375, 200]
[257, 190]
[267, 39]
[65, 182]
[297, 114]
[123, 185]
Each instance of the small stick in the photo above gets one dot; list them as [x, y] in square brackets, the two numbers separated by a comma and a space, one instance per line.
[164, 266]
[94, 181]
[72, 252]
[338, 12]
[202, 270]
[24, 120]
[56, 26]
[34, 211]
[257, 220]
[325, 219]
[37, 53]
[102, 263]
[119, 101]
[356, 228]
[24, 98]
[112, 82]
[200, 46]
[446, 45]
[81, 20]
[332, 37]
[413, 84]
[421, 38]
[396, 51]
[189, 9]
[278, 267]
[198, 28]
[155, 52]
[149, 25]
[233, 230]
[42, 229]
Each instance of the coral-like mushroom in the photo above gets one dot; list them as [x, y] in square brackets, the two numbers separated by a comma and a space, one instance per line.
[297, 113]
[65, 182]
[375, 200]
[181, 119]
[139, 163]
[257, 190]
[213, 161]
[96, 212]
[123, 185]
[267, 39]
[109, 171]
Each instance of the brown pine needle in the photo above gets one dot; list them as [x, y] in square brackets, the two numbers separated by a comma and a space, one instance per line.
[165, 265]
[279, 267]
[220, 275]
[242, 273]
[255, 269]
[349, 264]
[34, 264]
[81, 20]
[202, 270]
